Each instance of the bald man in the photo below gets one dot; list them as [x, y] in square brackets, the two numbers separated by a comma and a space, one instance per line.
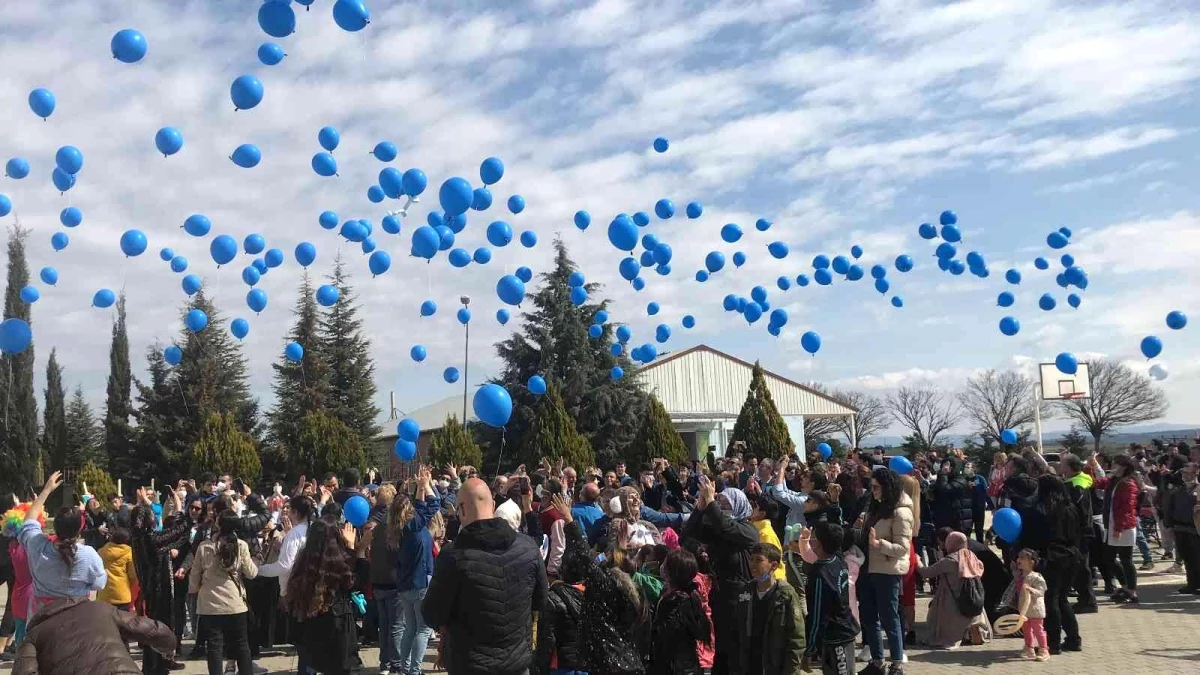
[486, 586]
[586, 511]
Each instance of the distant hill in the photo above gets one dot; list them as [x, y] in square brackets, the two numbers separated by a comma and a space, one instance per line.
[1135, 434]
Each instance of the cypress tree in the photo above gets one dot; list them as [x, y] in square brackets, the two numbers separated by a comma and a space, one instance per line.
[325, 444]
[83, 433]
[300, 387]
[223, 447]
[759, 424]
[656, 438]
[93, 480]
[453, 444]
[553, 435]
[118, 434]
[54, 421]
[347, 354]
[19, 465]
[553, 341]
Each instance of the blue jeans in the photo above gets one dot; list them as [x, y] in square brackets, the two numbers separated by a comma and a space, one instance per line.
[879, 605]
[391, 627]
[1143, 546]
[416, 633]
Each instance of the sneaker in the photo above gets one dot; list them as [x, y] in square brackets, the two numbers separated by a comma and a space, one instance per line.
[1119, 595]
[895, 668]
[872, 669]
[864, 655]
[176, 665]
[1147, 566]
[1167, 555]
[1042, 655]
[230, 667]
[1175, 569]
[1026, 653]
[260, 670]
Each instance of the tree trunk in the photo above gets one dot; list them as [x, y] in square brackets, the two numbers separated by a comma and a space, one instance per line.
[1096, 443]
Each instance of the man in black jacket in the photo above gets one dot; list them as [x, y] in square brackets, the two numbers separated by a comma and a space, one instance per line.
[486, 587]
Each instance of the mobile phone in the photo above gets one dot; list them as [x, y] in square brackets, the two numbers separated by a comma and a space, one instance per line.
[238, 485]
[275, 519]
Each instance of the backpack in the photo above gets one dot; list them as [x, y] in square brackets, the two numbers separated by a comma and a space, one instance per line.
[969, 598]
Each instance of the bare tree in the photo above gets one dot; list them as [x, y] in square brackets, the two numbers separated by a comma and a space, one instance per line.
[1119, 397]
[996, 401]
[924, 412]
[820, 428]
[872, 416]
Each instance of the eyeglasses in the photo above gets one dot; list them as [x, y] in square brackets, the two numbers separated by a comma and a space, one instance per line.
[196, 508]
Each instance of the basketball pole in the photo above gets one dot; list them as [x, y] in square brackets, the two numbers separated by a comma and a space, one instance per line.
[1037, 412]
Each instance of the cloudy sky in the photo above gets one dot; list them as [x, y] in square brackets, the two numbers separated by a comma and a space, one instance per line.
[843, 123]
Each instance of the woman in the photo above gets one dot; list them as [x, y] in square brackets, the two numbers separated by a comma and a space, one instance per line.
[946, 626]
[318, 599]
[908, 590]
[152, 560]
[1121, 493]
[679, 620]
[888, 526]
[384, 553]
[21, 584]
[414, 567]
[996, 476]
[65, 567]
[640, 532]
[1055, 535]
[560, 644]
[218, 579]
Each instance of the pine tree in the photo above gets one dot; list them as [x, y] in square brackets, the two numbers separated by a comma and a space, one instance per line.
[553, 435]
[1075, 442]
[347, 354]
[223, 447]
[93, 480]
[19, 458]
[553, 341]
[759, 424]
[160, 448]
[118, 434]
[325, 444]
[83, 433]
[300, 387]
[453, 444]
[54, 424]
[656, 438]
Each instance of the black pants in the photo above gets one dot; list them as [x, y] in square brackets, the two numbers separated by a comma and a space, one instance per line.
[232, 628]
[1083, 576]
[1188, 544]
[1124, 572]
[977, 517]
[179, 613]
[1060, 618]
[263, 595]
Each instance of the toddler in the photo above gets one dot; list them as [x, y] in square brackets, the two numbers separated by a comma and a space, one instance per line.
[1032, 606]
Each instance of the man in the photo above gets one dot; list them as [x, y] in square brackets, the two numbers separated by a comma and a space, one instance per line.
[299, 511]
[586, 511]
[1079, 490]
[349, 486]
[485, 590]
[569, 476]
[749, 472]
[1180, 506]
[623, 478]
[794, 501]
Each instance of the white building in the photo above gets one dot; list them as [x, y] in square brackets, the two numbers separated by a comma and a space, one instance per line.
[703, 390]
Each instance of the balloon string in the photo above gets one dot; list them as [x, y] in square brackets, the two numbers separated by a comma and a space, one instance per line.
[182, 396]
[501, 456]
[7, 387]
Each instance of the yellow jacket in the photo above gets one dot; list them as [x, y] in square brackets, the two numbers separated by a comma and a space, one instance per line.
[118, 563]
[766, 535]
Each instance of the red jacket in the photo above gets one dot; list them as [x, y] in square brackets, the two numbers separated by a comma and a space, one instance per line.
[1124, 503]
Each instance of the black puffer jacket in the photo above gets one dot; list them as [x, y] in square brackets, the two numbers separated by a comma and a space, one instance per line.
[484, 591]
[612, 612]
[96, 633]
[678, 624]
[952, 498]
[728, 542]
[559, 644]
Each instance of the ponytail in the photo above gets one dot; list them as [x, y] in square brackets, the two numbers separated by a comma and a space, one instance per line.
[227, 541]
[68, 522]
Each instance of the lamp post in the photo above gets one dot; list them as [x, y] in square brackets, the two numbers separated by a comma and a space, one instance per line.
[466, 300]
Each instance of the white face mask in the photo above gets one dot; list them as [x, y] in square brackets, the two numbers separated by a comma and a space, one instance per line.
[278, 489]
[182, 494]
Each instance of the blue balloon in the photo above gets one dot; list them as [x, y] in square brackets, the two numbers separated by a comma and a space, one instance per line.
[1067, 260]
[327, 296]
[179, 264]
[1056, 240]
[251, 276]
[254, 244]
[901, 465]
[15, 336]
[956, 267]
[714, 261]
[276, 18]
[904, 263]
[811, 342]
[758, 294]
[897, 301]
[802, 280]
[493, 405]
[240, 328]
[456, 196]
[641, 219]
[445, 237]
[192, 284]
[460, 257]
[578, 295]
[689, 321]
[198, 225]
[385, 151]
[16, 168]
[379, 262]
[624, 334]
[246, 155]
[62, 180]
[649, 241]
[948, 218]
[59, 240]
[702, 275]
[49, 276]
[646, 259]
[306, 253]
[168, 140]
[582, 219]
[695, 210]
[622, 233]
[823, 277]
[951, 234]
[196, 320]
[1151, 346]
[414, 182]
[739, 259]
[6, 206]
[482, 199]
[784, 283]
[69, 159]
[616, 349]
[1065, 232]
[616, 373]
[652, 308]
[482, 255]
[270, 54]
[1008, 437]
[882, 285]
[425, 242]
[456, 223]
[1066, 363]
[1047, 302]
[975, 259]
[450, 375]
[390, 224]
[133, 243]
[1177, 320]
[946, 251]
[173, 355]
[824, 450]
[405, 451]
[224, 249]
[662, 333]
[927, 231]
[1005, 299]
[821, 261]
[42, 102]
[30, 295]
[323, 164]
[491, 171]
[357, 509]
[274, 258]
[246, 92]
[260, 265]
[408, 430]
[730, 303]
[731, 233]
[166, 254]
[502, 316]
[294, 351]
[1074, 300]
[576, 278]
[601, 317]
[511, 289]
[664, 208]
[1041, 263]
[128, 45]
[661, 144]
[779, 317]
[1007, 524]
[375, 194]
[256, 300]
[529, 239]
[329, 138]
[417, 353]
[1073, 275]
[516, 204]
[499, 233]
[779, 250]
[1010, 326]
[351, 15]
[841, 264]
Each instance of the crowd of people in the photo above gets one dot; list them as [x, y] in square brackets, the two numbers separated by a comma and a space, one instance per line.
[739, 565]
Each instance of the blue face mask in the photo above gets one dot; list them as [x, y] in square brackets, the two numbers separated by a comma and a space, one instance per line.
[766, 577]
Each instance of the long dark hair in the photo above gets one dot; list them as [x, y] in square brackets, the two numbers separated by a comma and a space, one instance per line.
[1055, 505]
[885, 507]
[679, 570]
[227, 540]
[67, 524]
[322, 571]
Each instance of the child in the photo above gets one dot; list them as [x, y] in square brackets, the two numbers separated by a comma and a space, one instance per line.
[831, 627]
[1033, 605]
[762, 512]
[770, 618]
[22, 582]
[122, 576]
[680, 621]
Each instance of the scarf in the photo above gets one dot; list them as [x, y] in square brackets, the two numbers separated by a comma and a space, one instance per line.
[739, 506]
[969, 565]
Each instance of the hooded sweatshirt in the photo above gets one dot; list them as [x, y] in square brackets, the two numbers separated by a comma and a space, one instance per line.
[118, 563]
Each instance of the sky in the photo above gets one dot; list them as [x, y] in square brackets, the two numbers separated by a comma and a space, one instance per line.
[842, 123]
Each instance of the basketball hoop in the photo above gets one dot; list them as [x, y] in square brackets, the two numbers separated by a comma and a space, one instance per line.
[1073, 395]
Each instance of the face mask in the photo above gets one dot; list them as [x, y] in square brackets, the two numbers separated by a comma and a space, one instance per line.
[278, 489]
[182, 494]
[765, 577]
[220, 487]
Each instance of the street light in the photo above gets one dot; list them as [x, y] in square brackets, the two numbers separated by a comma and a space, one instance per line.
[465, 300]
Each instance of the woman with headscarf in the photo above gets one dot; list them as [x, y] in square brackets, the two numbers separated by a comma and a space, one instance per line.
[636, 532]
[945, 626]
[722, 523]
[152, 560]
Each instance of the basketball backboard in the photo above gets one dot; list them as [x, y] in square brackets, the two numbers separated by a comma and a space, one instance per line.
[1058, 386]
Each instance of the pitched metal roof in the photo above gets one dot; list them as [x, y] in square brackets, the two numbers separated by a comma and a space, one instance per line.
[704, 382]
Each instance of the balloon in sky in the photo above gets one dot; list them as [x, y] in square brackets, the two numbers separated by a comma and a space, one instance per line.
[323, 164]
[196, 320]
[1010, 326]
[662, 253]
[459, 257]
[948, 218]
[16, 168]
[197, 225]
[841, 264]
[168, 140]
[1074, 300]
[1067, 260]
[329, 138]
[502, 316]
[42, 102]
[306, 253]
[482, 200]
[246, 155]
[702, 275]
[6, 206]
[493, 405]
[1013, 276]
[652, 308]
[408, 429]
[49, 276]
[59, 241]
[254, 244]
[946, 251]
[823, 277]
[499, 233]
[405, 451]
[664, 208]
[379, 262]
[1056, 240]
[133, 243]
[811, 342]
[62, 180]
[778, 249]
[69, 159]
[904, 263]
[351, 15]
[516, 204]
[240, 328]
[1151, 346]
[425, 242]
[661, 144]
[294, 352]
[582, 219]
[695, 210]
[1005, 299]
[784, 283]
[529, 239]
[455, 196]
[166, 254]
[417, 353]
[511, 289]
[270, 54]
[1041, 263]
[1008, 437]
[179, 264]
[375, 194]
[1066, 363]
[482, 255]
[173, 355]
[386, 151]
[276, 18]
[428, 308]
[256, 300]
[622, 233]
[1176, 320]
[1007, 524]
[524, 274]
[882, 285]
[951, 233]
[69, 217]
[537, 385]
[223, 249]
[390, 224]
[714, 261]
[927, 231]
[731, 233]
[415, 182]
[246, 92]
[1047, 302]
[327, 296]
[450, 375]
[491, 171]
[128, 45]
[273, 258]
[897, 301]
[251, 275]
[30, 295]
